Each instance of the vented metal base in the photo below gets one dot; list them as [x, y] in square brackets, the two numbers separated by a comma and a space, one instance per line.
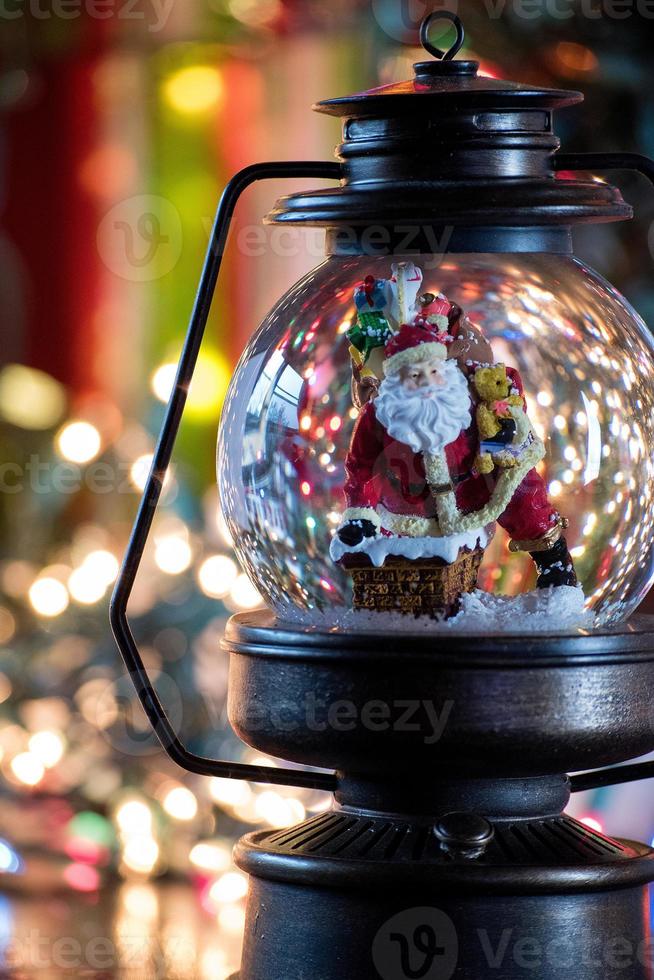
[358, 894]
[561, 841]
[342, 847]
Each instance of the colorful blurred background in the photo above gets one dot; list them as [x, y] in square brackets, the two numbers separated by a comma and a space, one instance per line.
[119, 124]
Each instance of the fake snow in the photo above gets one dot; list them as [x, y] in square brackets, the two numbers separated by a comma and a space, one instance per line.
[379, 547]
[553, 610]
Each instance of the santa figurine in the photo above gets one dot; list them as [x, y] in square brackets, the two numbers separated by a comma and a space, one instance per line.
[419, 512]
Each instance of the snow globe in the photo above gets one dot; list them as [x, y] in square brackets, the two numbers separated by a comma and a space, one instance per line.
[543, 391]
[435, 459]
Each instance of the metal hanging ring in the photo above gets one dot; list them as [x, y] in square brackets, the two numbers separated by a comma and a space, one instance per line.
[428, 23]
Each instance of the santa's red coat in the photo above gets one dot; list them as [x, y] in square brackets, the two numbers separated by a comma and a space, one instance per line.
[381, 470]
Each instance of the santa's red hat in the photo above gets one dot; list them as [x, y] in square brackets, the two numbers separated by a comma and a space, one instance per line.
[412, 343]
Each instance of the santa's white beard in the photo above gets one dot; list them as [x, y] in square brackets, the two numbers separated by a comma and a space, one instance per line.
[427, 419]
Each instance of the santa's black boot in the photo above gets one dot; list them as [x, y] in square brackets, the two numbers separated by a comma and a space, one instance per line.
[554, 566]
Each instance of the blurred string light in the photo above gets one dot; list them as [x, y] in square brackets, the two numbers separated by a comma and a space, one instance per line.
[193, 90]
[217, 575]
[29, 398]
[592, 823]
[27, 768]
[256, 13]
[7, 627]
[277, 810]
[173, 554]
[48, 747]
[140, 850]
[231, 918]
[243, 594]
[140, 469]
[82, 877]
[229, 792]
[134, 817]
[89, 837]
[140, 901]
[10, 862]
[89, 582]
[78, 442]
[574, 59]
[140, 854]
[208, 387]
[230, 887]
[180, 803]
[48, 597]
[210, 856]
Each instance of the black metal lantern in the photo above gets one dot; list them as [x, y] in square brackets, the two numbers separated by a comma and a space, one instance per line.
[447, 852]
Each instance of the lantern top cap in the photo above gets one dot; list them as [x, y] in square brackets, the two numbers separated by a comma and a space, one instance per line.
[446, 82]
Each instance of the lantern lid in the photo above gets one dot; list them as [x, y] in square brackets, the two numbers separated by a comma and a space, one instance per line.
[438, 83]
[429, 89]
[453, 150]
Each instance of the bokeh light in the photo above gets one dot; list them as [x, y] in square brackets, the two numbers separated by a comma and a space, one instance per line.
[217, 575]
[29, 398]
[79, 442]
[48, 747]
[180, 803]
[194, 89]
[27, 768]
[48, 597]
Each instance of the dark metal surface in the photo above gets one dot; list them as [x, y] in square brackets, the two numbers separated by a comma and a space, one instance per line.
[463, 834]
[365, 850]
[452, 149]
[554, 239]
[369, 928]
[118, 611]
[258, 633]
[496, 707]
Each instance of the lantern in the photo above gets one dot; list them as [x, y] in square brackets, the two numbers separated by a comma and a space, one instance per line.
[450, 373]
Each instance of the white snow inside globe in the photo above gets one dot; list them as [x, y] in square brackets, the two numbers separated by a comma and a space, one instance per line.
[444, 443]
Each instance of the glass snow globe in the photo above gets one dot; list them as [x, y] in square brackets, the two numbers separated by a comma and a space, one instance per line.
[341, 396]
[450, 419]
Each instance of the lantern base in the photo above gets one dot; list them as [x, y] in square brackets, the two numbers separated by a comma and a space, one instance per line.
[368, 896]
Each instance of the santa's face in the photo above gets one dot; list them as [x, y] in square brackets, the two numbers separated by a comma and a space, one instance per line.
[426, 411]
[423, 375]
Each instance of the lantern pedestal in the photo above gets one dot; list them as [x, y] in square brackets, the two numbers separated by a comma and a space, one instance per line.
[447, 838]
[368, 897]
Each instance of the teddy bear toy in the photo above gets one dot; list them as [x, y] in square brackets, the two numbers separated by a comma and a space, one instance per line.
[495, 419]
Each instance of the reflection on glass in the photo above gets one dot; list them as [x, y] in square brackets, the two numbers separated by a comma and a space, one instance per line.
[585, 358]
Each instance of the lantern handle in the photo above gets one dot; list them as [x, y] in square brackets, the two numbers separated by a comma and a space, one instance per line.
[118, 608]
[605, 161]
